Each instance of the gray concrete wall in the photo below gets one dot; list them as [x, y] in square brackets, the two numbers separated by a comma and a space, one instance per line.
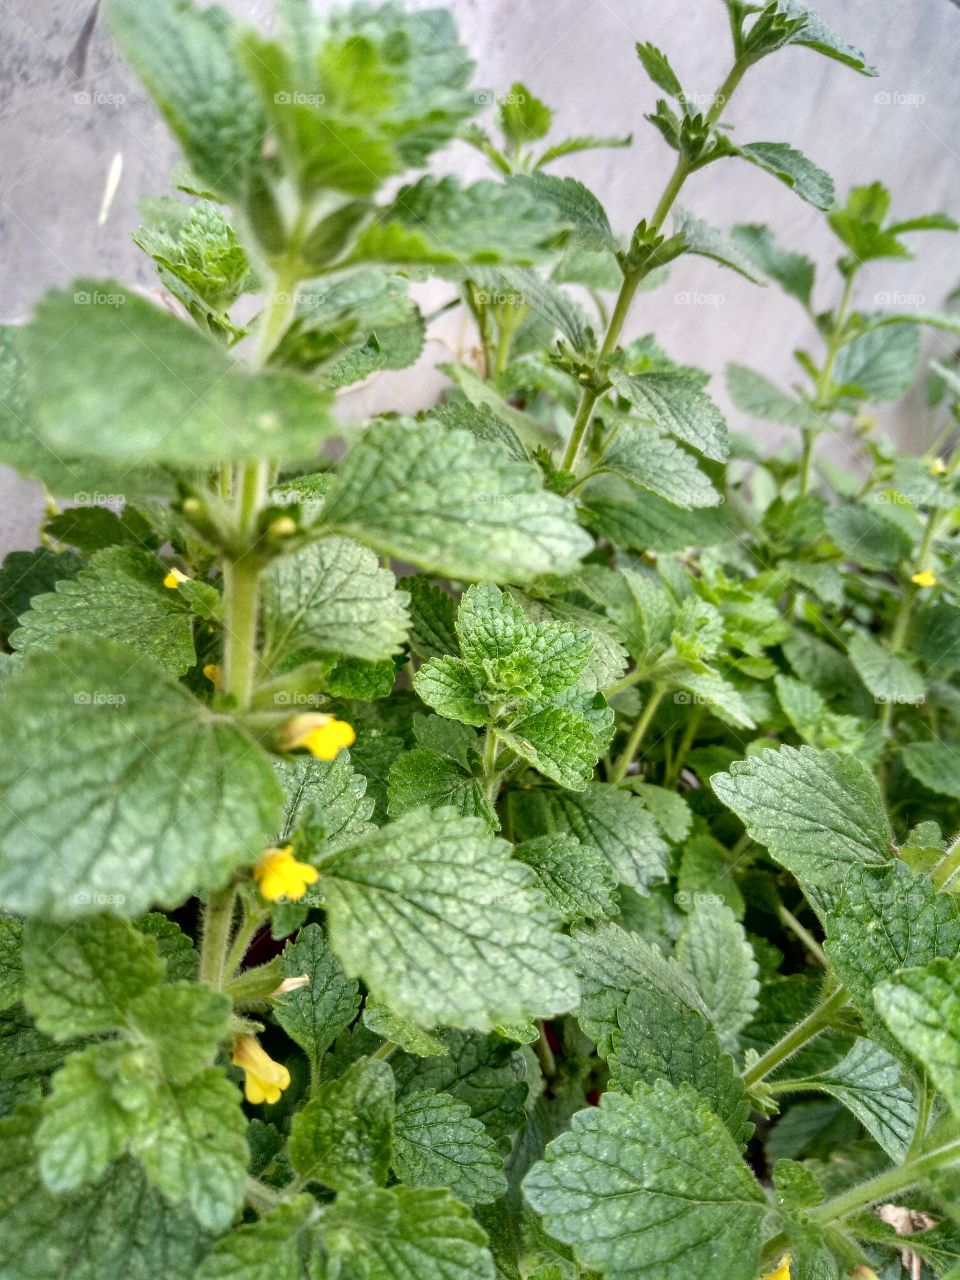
[68, 105]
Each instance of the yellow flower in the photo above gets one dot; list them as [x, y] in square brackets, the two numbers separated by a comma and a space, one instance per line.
[280, 875]
[322, 735]
[781, 1271]
[174, 578]
[925, 578]
[937, 467]
[214, 673]
[264, 1080]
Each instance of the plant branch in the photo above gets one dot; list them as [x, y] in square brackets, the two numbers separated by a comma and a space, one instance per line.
[807, 1029]
[636, 734]
[886, 1185]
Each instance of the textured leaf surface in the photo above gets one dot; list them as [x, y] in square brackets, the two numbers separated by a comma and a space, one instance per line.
[820, 814]
[452, 503]
[714, 949]
[343, 1137]
[881, 363]
[754, 394]
[936, 765]
[315, 1014]
[269, 1249]
[888, 677]
[439, 1143]
[121, 789]
[334, 597]
[676, 403]
[467, 942]
[651, 1185]
[921, 1006]
[426, 778]
[650, 459]
[792, 167]
[561, 742]
[127, 407]
[576, 879]
[120, 596]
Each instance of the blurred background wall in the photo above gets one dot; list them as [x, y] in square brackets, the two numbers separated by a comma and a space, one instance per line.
[69, 105]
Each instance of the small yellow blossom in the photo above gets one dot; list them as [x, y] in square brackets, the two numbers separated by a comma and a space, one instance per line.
[280, 875]
[264, 1080]
[925, 578]
[322, 735]
[214, 673]
[937, 467]
[282, 527]
[174, 579]
[781, 1271]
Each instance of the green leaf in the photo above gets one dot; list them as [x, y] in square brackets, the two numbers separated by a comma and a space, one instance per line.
[603, 817]
[401, 914]
[426, 778]
[757, 396]
[25, 1052]
[885, 920]
[576, 879]
[866, 536]
[659, 1165]
[820, 814]
[332, 596]
[271, 1248]
[880, 364]
[437, 221]
[181, 1024]
[523, 118]
[120, 596]
[658, 68]
[433, 616]
[793, 168]
[404, 1234]
[95, 528]
[675, 403]
[11, 966]
[700, 238]
[888, 677]
[815, 34]
[582, 142]
[82, 978]
[343, 1137]
[575, 207]
[650, 459]
[124, 405]
[792, 271]
[869, 1083]
[644, 521]
[197, 797]
[448, 686]
[935, 764]
[411, 1038]
[546, 298]
[452, 503]
[561, 742]
[180, 52]
[315, 1014]
[921, 1006]
[117, 1229]
[662, 1037]
[714, 950]
[25, 574]
[326, 802]
[439, 1143]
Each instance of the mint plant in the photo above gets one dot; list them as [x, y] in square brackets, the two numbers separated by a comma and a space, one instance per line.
[512, 841]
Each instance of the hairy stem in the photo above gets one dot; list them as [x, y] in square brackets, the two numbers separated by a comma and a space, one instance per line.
[636, 734]
[886, 1185]
[217, 927]
[801, 932]
[810, 1027]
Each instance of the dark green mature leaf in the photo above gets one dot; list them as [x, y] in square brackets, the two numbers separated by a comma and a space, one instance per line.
[675, 403]
[271, 1248]
[561, 742]
[185, 57]
[921, 1006]
[469, 943]
[883, 920]
[82, 978]
[868, 537]
[661, 1036]
[484, 1072]
[936, 765]
[650, 459]
[644, 521]
[124, 405]
[439, 1143]
[197, 797]
[440, 222]
[119, 596]
[343, 1137]
[452, 503]
[333, 596]
[404, 1233]
[815, 34]
[889, 677]
[714, 949]
[793, 168]
[659, 1165]
[700, 238]
[576, 879]
[427, 778]
[820, 814]
[118, 1229]
[603, 817]
[576, 208]
[315, 1014]
[792, 271]
[880, 364]
[11, 965]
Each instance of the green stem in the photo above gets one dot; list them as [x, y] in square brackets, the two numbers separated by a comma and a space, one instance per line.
[636, 735]
[686, 742]
[823, 381]
[261, 1197]
[796, 1037]
[217, 924]
[241, 943]
[800, 931]
[631, 678]
[548, 1063]
[901, 624]
[887, 1185]
[386, 1051]
[924, 1107]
